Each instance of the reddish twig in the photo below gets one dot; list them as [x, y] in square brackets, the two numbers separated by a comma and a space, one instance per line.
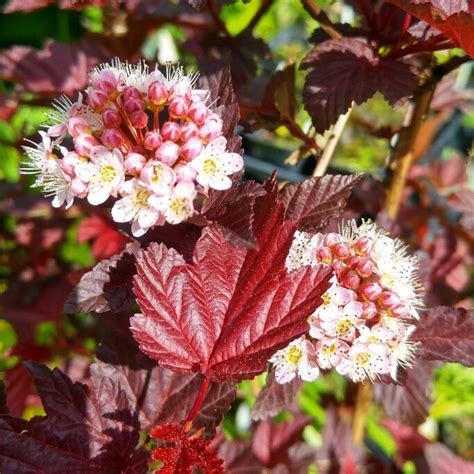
[322, 19]
[199, 400]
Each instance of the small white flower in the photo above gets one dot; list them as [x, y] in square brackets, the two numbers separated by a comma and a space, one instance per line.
[105, 174]
[135, 206]
[330, 352]
[296, 358]
[178, 205]
[364, 362]
[214, 165]
[158, 177]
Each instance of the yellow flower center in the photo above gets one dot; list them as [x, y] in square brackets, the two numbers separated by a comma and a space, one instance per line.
[141, 197]
[294, 355]
[330, 349]
[107, 174]
[343, 327]
[362, 359]
[326, 299]
[157, 174]
[178, 206]
[209, 166]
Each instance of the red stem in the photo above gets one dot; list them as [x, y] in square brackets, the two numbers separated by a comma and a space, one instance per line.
[199, 400]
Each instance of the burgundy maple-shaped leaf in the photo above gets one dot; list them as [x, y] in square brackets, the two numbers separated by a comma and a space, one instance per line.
[315, 201]
[451, 17]
[42, 71]
[438, 458]
[350, 70]
[229, 310]
[159, 395]
[409, 443]
[275, 397]
[180, 452]
[85, 430]
[233, 211]
[408, 403]
[108, 286]
[446, 334]
[271, 441]
[219, 85]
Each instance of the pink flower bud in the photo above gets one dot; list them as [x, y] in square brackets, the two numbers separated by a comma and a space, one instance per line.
[184, 172]
[388, 300]
[167, 153]
[191, 149]
[198, 112]
[111, 118]
[332, 239]
[339, 268]
[181, 89]
[105, 81]
[364, 267]
[400, 311]
[369, 310]
[79, 188]
[112, 138]
[210, 130]
[178, 108]
[134, 163]
[341, 250]
[187, 131]
[97, 100]
[370, 290]
[351, 280]
[133, 105]
[131, 93]
[157, 94]
[170, 131]
[69, 162]
[139, 119]
[152, 140]
[323, 254]
[57, 130]
[364, 245]
[77, 126]
[84, 144]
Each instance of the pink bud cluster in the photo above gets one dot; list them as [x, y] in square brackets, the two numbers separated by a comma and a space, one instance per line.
[147, 139]
[362, 326]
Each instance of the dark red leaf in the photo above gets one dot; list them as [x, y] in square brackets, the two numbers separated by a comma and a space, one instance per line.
[275, 397]
[42, 71]
[439, 459]
[463, 201]
[85, 430]
[409, 443]
[229, 310]
[107, 287]
[408, 403]
[451, 17]
[446, 334]
[338, 452]
[219, 83]
[239, 458]
[315, 201]
[233, 211]
[349, 70]
[107, 241]
[271, 441]
[160, 395]
[180, 452]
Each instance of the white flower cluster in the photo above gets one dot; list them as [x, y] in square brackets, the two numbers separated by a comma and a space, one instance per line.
[363, 325]
[147, 139]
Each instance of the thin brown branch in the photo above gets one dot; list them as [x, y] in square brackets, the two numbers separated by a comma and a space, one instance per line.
[265, 5]
[363, 400]
[329, 149]
[322, 19]
[297, 132]
[402, 156]
[214, 11]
